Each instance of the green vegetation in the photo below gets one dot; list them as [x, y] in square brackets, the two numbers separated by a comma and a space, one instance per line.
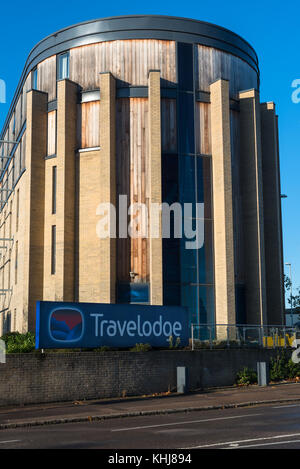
[171, 342]
[19, 343]
[141, 348]
[104, 348]
[246, 377]
[282, 366]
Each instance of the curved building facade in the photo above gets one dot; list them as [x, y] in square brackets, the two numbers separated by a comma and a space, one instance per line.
[139, 112]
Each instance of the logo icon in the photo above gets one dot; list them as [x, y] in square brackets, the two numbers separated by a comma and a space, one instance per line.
[66, 324]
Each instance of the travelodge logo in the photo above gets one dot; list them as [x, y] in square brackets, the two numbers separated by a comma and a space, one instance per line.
[66, 324]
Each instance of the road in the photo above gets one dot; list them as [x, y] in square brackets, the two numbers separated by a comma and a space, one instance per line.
[262, 426]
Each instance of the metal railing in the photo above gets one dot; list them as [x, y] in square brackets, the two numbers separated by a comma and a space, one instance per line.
[241, 335]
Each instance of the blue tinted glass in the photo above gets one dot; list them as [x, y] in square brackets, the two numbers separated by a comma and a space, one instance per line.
[206, 304]
[205, 253]
[185, 103]
[63, 66]
[171, 260]
[34, 79]
[172, 294]
[187, 189]
[185, 66]
[240, 302]
[170, 178]
[204, 184]
[133, 293]
[189, 299]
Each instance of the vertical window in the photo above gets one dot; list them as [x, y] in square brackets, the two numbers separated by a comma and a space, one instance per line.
[9, 267]
[53, 250]
[51, 133]
[14, 327]
[63, 66]
[17, 210]
[14, 125]
[54, 183]
[8, 322]
[34, 79]
[10, 218]
[16, 263]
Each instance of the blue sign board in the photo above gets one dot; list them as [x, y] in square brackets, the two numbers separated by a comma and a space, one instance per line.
[92, 325]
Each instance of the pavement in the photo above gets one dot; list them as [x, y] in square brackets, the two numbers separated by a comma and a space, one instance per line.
[167, 403]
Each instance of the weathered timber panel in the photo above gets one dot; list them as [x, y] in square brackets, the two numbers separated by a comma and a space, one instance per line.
[88, 124]
[132, 169]
[202, 128]
[46, 78]
[128, 60]
[212, 64]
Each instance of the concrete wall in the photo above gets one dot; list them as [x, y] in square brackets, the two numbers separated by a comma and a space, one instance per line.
[37, 378]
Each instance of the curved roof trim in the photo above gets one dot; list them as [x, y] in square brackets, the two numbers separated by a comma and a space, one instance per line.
[136, 27]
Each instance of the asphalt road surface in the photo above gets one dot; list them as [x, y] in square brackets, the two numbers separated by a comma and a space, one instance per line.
[259, 427]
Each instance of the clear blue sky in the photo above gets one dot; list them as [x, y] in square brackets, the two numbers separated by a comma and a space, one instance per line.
[272, 27]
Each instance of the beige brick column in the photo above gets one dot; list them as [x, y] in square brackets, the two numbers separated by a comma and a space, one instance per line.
[36, 148]
[155, 228]
[65, 193]
[222, 202]
[272, 215]
[107, 184]
[252, 203]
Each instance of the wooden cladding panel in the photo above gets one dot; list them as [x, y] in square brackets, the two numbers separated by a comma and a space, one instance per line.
[139, 190]
[128, 60]
[168, 126]
[132, 180]
[88, 124]
[202, 128]
[237, 197]
[51, 133]
[213, 63]
[46, 77]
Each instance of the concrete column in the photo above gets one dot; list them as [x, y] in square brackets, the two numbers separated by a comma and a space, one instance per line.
[252, 203]
[107, 185]
[65, 192]
[155, 225]
[222, 203]
[36, 149]
[272, 215]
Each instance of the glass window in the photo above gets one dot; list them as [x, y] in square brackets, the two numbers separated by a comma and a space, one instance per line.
[204, 184]
[185, 66]
[54, 184]
[53, 250]
[133, 293]
[34, 79]
[63, 66]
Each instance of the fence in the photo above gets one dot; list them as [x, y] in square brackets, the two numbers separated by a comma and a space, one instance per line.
[241, 335]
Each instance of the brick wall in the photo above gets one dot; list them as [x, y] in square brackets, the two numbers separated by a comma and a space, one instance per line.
[37, 378]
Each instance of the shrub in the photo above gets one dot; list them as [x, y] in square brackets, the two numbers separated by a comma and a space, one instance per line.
[141, 348]
[171, 342]
[104, 348]
[19, 343]
[246, 376]
[282, 367]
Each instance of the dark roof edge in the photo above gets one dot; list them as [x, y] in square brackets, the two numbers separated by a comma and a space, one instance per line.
[135, 27]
